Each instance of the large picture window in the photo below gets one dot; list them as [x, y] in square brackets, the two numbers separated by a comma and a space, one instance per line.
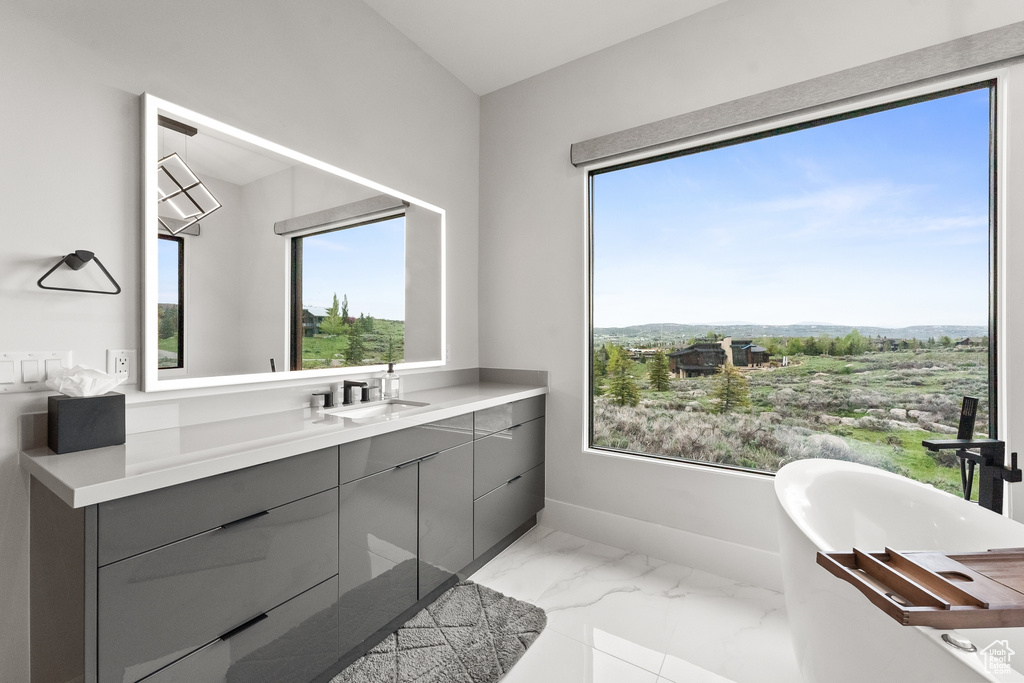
[820, 290]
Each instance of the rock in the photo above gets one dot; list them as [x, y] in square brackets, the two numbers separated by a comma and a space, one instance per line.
[817, 381]
[938, 428]
[905, 426]
[877, 412]
[848, 421]
[898, 413]
[830, 420]
[921, 415]
[871, 422]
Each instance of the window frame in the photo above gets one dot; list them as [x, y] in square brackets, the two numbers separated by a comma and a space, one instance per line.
[993, 79]
[180, 367]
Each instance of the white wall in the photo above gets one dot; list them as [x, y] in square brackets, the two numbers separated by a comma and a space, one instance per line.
[532, 256]
[326, 77]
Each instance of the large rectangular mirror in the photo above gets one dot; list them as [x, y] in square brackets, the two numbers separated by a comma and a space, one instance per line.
[263, 264]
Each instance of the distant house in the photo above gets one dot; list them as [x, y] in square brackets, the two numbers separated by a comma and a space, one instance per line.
[702, 358]
[311, 317]
[746, 353]
[886, 344]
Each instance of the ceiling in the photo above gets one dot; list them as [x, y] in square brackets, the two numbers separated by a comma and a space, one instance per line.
[488, 44]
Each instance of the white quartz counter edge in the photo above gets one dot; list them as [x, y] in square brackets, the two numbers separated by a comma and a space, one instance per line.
[166, 457]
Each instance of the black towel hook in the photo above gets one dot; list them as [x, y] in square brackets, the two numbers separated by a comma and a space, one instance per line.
[76, 261]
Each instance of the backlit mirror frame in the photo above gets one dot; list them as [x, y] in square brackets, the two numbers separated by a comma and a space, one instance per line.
[151, 380]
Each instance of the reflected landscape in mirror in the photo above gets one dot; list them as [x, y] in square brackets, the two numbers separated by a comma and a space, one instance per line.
[300, 268]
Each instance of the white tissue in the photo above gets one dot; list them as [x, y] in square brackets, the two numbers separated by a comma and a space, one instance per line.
[82, 381]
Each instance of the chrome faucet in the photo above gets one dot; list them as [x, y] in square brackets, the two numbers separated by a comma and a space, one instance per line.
[346, 392]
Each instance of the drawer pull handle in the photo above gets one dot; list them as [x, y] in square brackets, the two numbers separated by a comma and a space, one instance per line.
[244, 519]
[417, 460]
[518, 476]
[249, 624]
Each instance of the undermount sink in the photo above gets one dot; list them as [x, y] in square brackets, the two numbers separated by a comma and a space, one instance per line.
[389, 408]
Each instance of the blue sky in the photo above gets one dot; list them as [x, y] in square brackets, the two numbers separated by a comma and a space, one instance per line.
[880, 220]
[366, 262]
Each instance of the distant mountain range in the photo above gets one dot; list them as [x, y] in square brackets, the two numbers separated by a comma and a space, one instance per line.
[674, 331]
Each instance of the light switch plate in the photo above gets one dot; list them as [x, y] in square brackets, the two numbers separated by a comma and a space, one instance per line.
[29, 365]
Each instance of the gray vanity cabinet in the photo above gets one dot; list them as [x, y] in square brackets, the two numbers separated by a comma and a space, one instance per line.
[212, 580]
[282, 571]
[406, 521]
[508, 470]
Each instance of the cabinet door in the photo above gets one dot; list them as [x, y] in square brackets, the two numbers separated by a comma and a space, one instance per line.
[377, 552]
[446, 516]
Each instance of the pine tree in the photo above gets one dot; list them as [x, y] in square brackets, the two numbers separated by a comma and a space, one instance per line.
[657, 372]
[599, 371]
[333, 324]
[344, 308]
[621, 383]
[356, 351]
[731, 389]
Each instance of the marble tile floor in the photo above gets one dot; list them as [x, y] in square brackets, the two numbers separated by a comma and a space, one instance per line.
[619, 617]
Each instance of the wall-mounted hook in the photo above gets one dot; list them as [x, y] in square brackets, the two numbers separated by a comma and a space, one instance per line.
[76, 261]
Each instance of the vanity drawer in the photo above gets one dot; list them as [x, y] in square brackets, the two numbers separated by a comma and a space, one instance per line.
[132, 525]
[155, 607]
[293, 644]
[378, 453]
[504, 509]
[490, 420]
[500, 456]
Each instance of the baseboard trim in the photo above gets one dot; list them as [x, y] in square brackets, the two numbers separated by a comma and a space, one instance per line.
[732, 560]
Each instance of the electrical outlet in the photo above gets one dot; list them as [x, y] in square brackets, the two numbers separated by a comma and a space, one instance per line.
[123, 362]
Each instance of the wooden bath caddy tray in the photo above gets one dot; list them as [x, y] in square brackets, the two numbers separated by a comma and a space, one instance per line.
[972, 590]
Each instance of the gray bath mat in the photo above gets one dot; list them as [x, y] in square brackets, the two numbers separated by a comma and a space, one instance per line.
[471, 634]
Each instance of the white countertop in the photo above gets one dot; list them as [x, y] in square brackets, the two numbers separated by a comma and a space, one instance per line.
[165, 457]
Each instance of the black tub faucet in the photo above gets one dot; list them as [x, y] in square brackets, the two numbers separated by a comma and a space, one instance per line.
[989, 456]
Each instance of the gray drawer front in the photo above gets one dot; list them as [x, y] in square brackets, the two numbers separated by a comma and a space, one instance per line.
[501, 511]
[297, 641]
[378, 453]
[156, 607]
[446, 516]
[490, 420]
[501, 456]
[129, 526]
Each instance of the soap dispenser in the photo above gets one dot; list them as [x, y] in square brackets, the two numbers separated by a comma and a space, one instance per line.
[391, 387]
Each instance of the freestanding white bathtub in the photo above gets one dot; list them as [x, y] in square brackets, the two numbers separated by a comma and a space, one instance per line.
[838, 635]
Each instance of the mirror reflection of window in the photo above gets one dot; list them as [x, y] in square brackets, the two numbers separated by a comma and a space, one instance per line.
[171, 302]
[348, 296]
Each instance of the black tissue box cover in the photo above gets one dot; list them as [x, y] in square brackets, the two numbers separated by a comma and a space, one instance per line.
[77, 423]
